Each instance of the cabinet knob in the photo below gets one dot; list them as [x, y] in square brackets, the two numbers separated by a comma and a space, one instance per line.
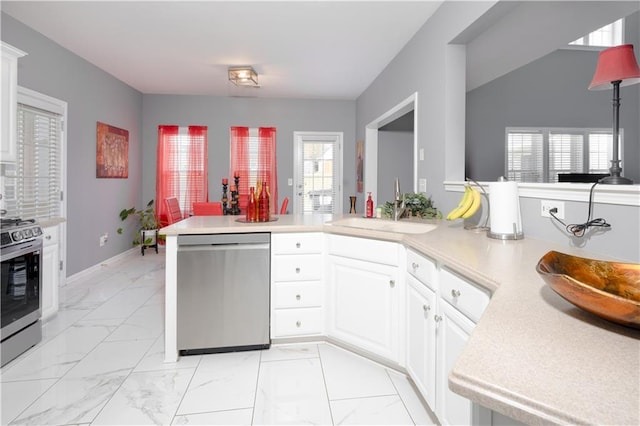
[48, 237]
[297, 270]
[392, 283]
[437, 318]
[297, 297]
[298, 324]
[297, 245]
[455, 293]
[415, 266]
[426, 308]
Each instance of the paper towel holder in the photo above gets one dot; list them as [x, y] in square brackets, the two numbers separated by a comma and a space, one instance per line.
[515, 235]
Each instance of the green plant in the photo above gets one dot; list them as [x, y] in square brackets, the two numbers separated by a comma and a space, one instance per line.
[418, 205]
[147, 220]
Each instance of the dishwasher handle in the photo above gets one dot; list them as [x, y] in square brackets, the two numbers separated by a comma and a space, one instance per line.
[222, 247]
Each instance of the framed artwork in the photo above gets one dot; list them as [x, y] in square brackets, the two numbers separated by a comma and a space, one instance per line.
[112, 152]
[360, 166]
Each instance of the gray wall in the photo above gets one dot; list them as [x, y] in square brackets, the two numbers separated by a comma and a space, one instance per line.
[220, 113]
[413, 70]
[396, 148]
[92, 95]
[549, 92]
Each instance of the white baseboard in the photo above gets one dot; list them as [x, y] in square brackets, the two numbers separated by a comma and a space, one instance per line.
[96, 268]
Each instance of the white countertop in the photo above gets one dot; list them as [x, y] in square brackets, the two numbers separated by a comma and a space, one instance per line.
[533, 356]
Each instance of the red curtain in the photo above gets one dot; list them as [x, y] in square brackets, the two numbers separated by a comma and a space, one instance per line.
[254, 159]
[181, 169]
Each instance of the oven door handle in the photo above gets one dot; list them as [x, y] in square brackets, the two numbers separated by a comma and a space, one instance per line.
[34, 246]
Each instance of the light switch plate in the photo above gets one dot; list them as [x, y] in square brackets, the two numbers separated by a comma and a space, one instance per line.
[421, 154]
[290, 182]
[422, 185]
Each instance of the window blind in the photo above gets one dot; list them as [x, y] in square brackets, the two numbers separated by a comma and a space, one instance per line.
[38, 169]
[565, 154]
[525, 156]
[600, 152]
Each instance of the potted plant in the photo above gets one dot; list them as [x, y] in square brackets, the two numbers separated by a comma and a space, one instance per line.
[147, 235]
[418, 205]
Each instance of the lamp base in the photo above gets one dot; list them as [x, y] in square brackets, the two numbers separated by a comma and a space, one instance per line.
[615, 180]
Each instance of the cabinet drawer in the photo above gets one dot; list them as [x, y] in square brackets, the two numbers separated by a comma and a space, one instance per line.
[297, 322]
[50, 236]
[422, 268]
[383, 252]
[298, 243]
[297, 295]
[468, 298]
[297, 267]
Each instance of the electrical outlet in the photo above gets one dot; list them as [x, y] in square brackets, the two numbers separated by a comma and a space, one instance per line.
[546, 205]
[103, 239]
[422, 185]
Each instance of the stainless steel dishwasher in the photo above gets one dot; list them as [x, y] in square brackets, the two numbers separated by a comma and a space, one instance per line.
[223, 292]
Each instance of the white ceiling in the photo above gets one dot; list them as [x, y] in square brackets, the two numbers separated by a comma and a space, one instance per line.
[316, 49]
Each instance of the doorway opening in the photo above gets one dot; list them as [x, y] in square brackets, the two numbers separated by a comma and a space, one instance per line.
[407, 110]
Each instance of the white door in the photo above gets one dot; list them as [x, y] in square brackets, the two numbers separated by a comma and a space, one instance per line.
[317, 171]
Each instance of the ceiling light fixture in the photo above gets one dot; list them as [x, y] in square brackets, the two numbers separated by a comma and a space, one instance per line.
[243, 76]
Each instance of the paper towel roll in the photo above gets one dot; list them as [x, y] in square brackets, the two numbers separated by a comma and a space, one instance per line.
[505, 221]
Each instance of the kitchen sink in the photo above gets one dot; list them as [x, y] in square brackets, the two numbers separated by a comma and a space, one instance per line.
[404, 227]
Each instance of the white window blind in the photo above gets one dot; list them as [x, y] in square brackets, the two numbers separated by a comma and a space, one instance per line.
[38, 171]
[539, 155]
[565, 154]
[525, 156]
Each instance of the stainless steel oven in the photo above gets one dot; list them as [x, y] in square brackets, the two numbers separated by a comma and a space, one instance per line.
[21, 291]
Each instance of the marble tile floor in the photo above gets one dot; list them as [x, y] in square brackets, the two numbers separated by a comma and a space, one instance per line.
[101, 362]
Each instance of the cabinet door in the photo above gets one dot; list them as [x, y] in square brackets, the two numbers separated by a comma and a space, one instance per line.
[453, 333]
[9, 76]
[421, 338]
[363, 305]
[50, 262]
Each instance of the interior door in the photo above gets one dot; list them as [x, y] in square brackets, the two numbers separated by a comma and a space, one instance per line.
[317, 171]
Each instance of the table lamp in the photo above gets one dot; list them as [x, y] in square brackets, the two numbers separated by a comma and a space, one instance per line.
[617, 66]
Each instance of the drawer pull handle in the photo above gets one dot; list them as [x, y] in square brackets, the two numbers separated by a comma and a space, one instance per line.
[455, 293]
[426, 308]
[298, 324]
[297, 245]
[437, 318]
[297, 297]
[48, 237]
[415, 266]
[392, 283]
[297, 270]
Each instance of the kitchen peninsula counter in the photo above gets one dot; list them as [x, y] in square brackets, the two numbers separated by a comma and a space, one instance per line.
[532, 356]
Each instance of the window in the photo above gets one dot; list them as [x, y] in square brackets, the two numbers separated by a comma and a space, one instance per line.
[607, 36]
[539, 155]
[181, 168]
[317, 172]
[33, 183]
[253, 158]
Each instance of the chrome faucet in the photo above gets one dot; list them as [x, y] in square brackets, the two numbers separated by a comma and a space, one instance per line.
[399, 208]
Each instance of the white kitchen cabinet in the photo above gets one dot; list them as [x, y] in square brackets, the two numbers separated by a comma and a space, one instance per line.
[460, 305]
[50, 271]
[9, 90]
[364, 297]
[442, 309]
[297, 292]
[421, 338]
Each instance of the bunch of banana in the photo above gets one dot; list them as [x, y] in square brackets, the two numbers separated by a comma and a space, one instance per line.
[469, 204]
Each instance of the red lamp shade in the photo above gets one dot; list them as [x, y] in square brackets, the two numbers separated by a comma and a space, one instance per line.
[614, 64]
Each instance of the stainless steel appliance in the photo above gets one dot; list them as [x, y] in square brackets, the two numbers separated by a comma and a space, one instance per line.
[223, 292]
[21, 297]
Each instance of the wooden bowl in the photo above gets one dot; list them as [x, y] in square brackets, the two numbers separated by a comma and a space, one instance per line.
[609, 290]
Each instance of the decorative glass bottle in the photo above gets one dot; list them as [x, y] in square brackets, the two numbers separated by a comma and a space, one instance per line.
[263, 204]
[251, 205]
